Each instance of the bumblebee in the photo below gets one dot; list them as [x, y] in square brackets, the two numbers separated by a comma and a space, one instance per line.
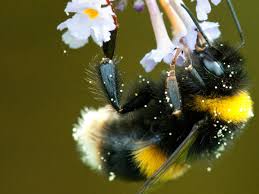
[161, 127]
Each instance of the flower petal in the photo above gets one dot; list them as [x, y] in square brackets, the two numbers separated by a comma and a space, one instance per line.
[211, 29]
[215, 2]
[155, 56]
[203, 8]
[72, 41]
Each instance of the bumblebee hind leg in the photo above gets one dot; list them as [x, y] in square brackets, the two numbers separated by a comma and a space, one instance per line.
[110, 80]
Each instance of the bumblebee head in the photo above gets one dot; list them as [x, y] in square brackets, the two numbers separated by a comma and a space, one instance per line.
[222, 73]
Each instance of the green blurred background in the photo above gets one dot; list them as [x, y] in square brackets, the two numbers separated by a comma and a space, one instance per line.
[43, 90]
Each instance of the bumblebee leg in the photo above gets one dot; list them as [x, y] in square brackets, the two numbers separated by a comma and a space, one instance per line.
[109, 81]
[190, 67]
[238, 25]
[172, 89]
[109, 47]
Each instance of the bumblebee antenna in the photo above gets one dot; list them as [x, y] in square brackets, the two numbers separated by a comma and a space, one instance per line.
[236, 20]
[197, 24]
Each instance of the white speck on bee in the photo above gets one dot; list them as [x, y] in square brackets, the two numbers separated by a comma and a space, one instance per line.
[136, 94]
[111, 176]
[145, 106]
[218, 155]
[167, 99]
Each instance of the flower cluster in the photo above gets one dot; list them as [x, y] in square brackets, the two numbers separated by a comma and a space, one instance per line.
[96, 18]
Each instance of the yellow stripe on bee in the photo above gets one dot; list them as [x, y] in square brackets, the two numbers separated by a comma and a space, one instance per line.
[236, 108]
[151, 158]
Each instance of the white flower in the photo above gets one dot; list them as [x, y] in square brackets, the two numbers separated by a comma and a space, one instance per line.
[165, 48]
[183, 29]
[203, 8]
[90, 19]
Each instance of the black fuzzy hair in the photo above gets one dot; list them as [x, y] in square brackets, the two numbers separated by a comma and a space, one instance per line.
[233, 80]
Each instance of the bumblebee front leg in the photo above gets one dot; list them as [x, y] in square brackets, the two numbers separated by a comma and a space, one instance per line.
[172, 89]
[190, 67]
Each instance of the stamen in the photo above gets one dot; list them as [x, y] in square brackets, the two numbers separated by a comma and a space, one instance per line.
[92, 13]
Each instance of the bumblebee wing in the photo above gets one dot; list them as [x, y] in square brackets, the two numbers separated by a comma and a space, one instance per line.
[181, 149]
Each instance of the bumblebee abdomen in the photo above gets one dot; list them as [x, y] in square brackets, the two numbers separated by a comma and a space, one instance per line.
[140, 164]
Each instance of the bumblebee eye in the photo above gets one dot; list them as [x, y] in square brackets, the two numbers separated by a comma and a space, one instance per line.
[213, 67]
